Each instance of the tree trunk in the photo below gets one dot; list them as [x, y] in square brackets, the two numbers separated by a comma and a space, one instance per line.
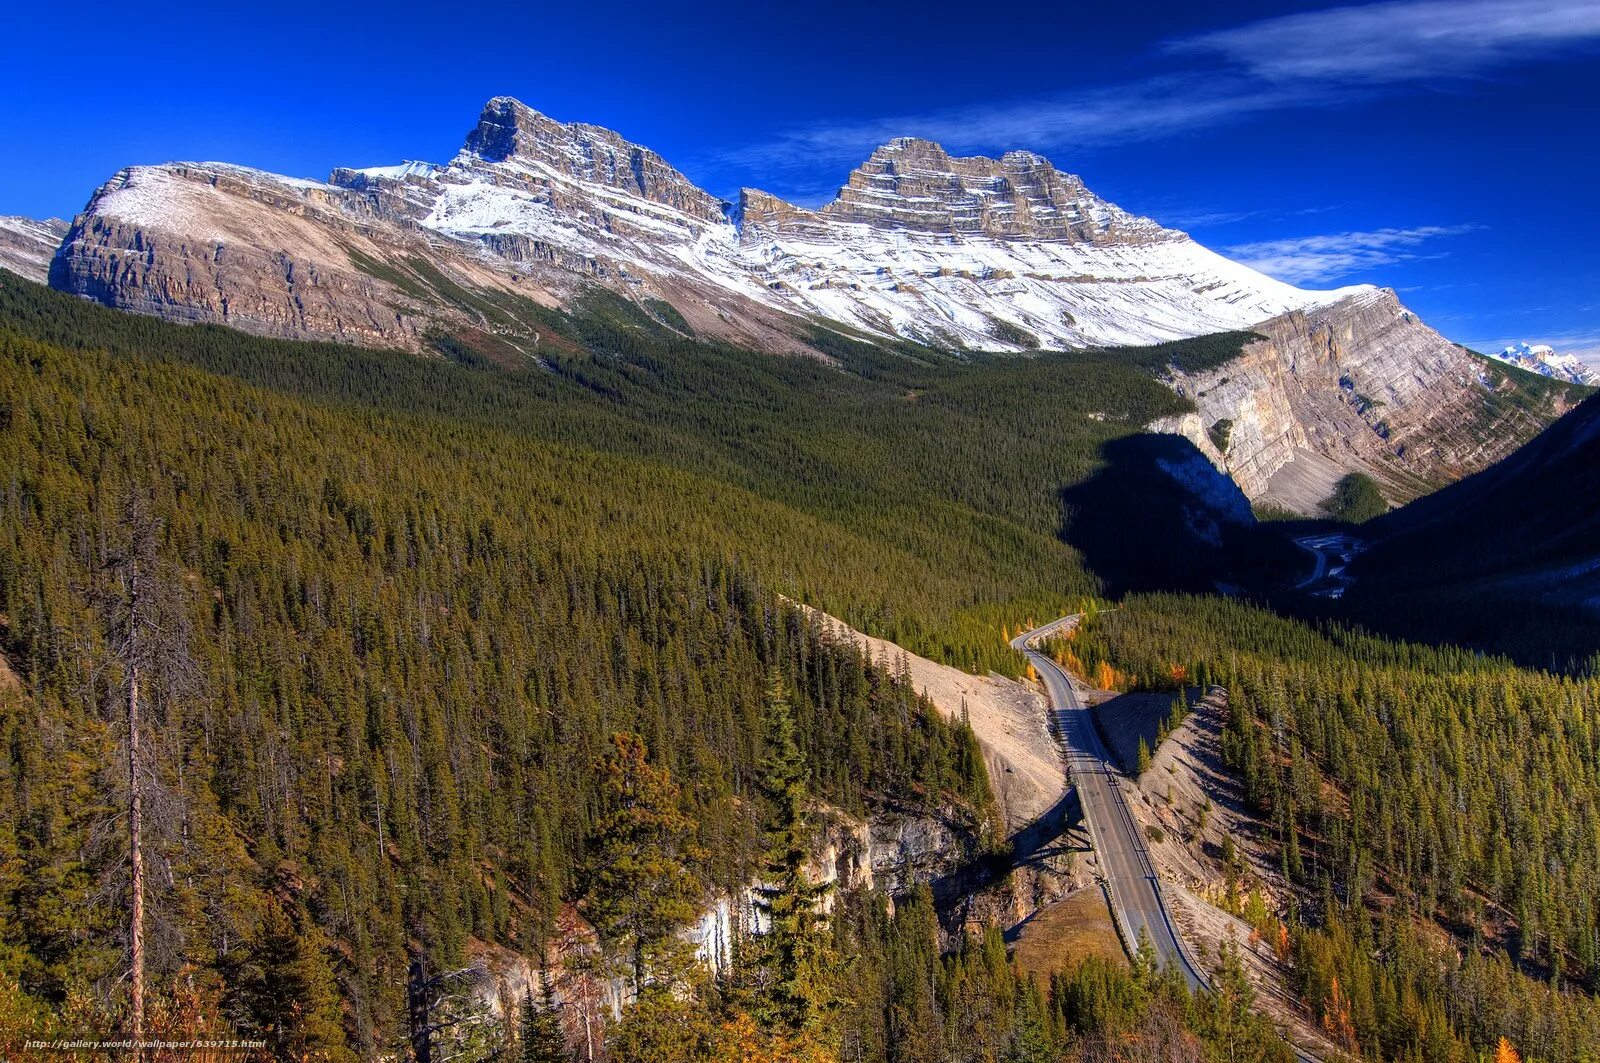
[135, 814]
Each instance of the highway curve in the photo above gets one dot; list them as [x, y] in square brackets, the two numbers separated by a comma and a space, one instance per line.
[1131, 883]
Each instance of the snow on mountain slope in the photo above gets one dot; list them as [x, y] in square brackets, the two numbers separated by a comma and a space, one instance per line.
[979, 253]
[998, 254]
[26, 245]
[1542, 359]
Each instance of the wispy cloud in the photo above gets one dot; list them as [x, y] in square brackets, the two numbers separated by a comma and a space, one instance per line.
[1402, 40]
[1330, 256]
[1143, 110]
[1317, 58]
[1203, 219]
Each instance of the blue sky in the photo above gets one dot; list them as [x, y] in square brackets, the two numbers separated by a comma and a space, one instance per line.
[1446, 148]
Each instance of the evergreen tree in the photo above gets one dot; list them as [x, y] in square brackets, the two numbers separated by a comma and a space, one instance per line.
[796, 989]
[642, 890]
[540, 1032]
[1031, 1041]
[288, 992]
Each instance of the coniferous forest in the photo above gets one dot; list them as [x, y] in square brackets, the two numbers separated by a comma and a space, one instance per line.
[432, 662]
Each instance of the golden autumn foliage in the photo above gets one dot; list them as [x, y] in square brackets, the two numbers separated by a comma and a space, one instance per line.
[740, 1040]
[1336, 1018]
[1504, 1052]
[1107, 677]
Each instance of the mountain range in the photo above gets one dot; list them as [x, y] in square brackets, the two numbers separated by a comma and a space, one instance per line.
[952, 254]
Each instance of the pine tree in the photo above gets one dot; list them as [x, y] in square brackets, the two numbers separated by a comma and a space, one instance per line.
[642, 891]
[288, 991]
[1230, 1001]
[540, 1032]
[796, 950]
[1031, 1041]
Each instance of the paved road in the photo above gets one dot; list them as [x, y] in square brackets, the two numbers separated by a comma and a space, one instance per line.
[1329, 577]
[1134, 888]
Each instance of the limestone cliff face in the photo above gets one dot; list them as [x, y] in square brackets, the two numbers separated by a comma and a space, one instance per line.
[1360, 385]
[509, 131]
[213, 243]
[915, 184]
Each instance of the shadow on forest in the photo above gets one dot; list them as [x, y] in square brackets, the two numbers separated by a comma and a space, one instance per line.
[1158, 516]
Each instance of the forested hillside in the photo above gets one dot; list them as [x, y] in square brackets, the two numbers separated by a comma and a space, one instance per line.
[443, 657]
[1437, 809]
[935, 478]
[1508, 559]
[412, 637]
[390, 653]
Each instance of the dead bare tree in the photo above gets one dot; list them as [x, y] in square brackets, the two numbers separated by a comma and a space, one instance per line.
[149, 641]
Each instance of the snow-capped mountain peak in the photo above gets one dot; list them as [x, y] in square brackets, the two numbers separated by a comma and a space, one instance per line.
[1541, 358]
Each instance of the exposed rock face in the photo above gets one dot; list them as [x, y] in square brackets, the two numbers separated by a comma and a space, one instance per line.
[999, 254]
[915, 184]
[272, 255]
[995, 254]
[1360, 385]
[510, 132]
[26, 246]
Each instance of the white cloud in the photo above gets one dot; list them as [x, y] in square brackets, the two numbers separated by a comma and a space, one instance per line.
[1402, 40]
[1143, 110]
[1317, 58]
[1311, 259]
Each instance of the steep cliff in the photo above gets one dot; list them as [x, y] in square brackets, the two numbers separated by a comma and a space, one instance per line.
[1359, 385]
[268, 254]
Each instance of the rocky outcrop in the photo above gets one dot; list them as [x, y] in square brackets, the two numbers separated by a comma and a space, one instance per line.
[1360, 385]
[916, 185]
[221, 244]
[509, 131]
[26, 245]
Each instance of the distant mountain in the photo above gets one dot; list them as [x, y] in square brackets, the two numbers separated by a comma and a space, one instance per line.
[27, 246]
[1542, 359]
[959, 254]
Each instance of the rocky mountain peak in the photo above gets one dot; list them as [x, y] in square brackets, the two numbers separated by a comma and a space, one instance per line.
[510, 133]
[913, 183]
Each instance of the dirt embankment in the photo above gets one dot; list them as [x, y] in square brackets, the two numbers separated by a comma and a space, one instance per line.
[1190, 805]
[1009, 718]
